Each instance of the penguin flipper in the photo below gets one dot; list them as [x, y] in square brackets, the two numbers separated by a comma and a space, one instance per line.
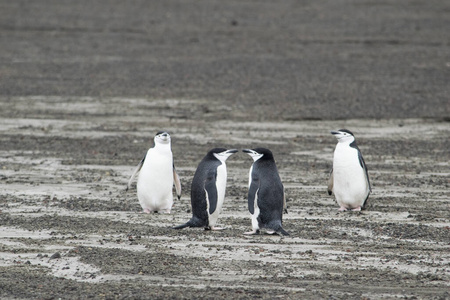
[211, 190]
[177, 182]
[136, 170]
[330, 183]
[284, 203]
[363, 165]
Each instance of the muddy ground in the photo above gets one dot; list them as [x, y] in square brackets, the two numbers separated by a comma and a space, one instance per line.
[84, 86]
[70, 230]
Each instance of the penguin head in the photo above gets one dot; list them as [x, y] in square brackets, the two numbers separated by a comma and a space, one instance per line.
[221, 153]
[257, 153]
[162, 137]
[343, 136]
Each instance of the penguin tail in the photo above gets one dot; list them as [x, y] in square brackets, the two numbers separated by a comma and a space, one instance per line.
[193, 222]
[278, 228]
[182, 226]
[282, 231]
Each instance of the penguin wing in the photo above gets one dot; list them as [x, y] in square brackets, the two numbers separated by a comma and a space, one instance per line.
[136, 170]
[330, 183]
[253, 194]
[177, 182]
[363, 165]
[211, 190]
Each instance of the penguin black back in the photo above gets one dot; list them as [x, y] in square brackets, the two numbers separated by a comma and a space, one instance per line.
[208, 189]
[204, 177]
[266, 189]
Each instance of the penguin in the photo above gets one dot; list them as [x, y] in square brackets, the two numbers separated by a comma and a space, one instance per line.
[157, 175]
[349, 177]
[266, 199]
[208, 189]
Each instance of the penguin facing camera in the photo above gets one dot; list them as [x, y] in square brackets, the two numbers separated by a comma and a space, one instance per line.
[266, 200]
[208, 189]
[349, 178]
[157, 175]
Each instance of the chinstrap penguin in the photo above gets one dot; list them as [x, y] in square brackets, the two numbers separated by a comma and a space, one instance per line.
[157, 175]
[208, 189]
[349, 178]
[266, 199]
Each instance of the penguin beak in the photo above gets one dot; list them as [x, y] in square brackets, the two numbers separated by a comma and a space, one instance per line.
[250, 152]
[253, 154]
[232, 151]
[335, 132]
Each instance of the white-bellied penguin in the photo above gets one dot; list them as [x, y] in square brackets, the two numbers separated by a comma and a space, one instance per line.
[157, 175]
[349, 178]
[208, 189]
[266, 200]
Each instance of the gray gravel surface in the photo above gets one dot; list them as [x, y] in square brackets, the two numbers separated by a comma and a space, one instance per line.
[84, 86]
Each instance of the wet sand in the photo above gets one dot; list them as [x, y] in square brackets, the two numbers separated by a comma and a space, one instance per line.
[64, 176]
[85, 86]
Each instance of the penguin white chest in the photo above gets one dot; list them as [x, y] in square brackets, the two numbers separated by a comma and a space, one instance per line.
[349, 182]
[221, 182]
[255, 215]
[155, 182]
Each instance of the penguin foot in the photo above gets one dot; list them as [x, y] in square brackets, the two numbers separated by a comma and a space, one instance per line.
[254, 232]
[146, 211]
[217, 228]
[356, 208]
[342, 208]
[214, 228]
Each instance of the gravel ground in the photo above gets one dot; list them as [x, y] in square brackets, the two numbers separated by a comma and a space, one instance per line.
[70, 230]
[86, 85]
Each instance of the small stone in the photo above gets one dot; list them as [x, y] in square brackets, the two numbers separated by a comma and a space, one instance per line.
[56, 255]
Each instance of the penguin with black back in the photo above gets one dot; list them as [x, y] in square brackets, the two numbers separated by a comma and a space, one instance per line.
[208, 189]
[266, 199]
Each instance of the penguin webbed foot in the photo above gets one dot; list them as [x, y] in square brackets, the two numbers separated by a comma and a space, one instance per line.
[343, 208]
[217, 228]
[254, 232]
[214, 228]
